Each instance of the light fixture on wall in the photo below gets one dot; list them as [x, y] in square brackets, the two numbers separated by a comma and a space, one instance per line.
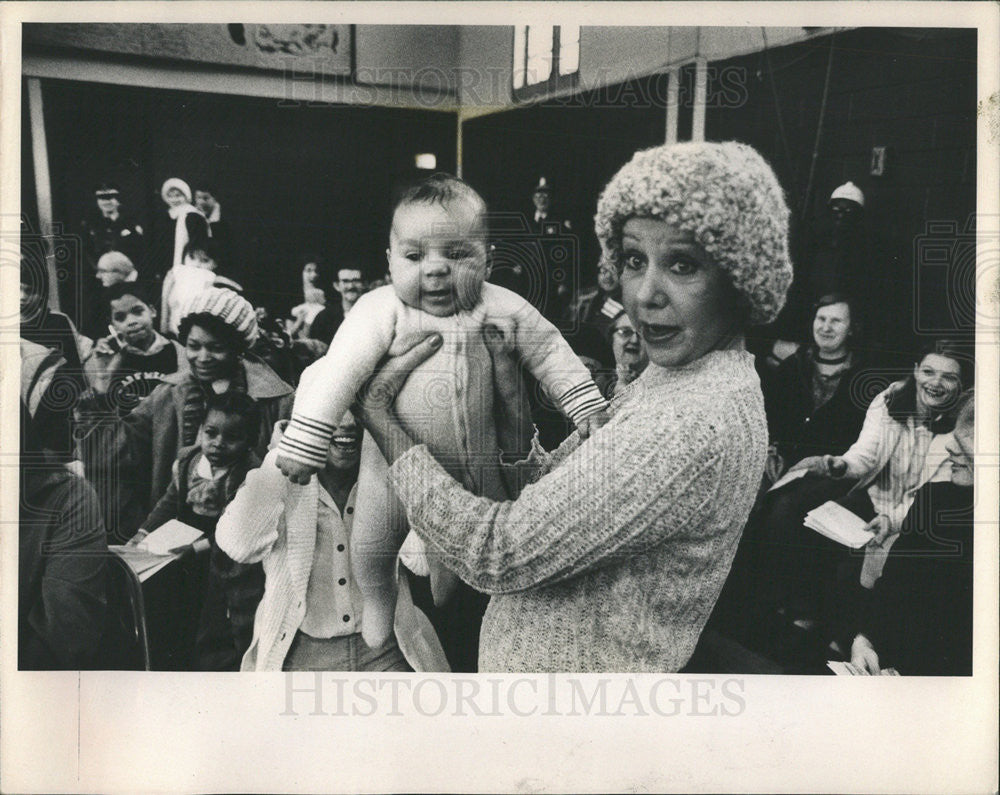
[426, 160]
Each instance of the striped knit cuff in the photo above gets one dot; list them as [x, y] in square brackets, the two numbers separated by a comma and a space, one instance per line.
[306, 440]
[582, 400]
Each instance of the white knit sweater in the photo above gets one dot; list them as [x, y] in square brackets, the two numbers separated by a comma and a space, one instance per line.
[274, 521]
[613, 559]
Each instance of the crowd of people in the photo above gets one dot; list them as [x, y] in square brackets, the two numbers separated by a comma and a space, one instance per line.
[471, 463]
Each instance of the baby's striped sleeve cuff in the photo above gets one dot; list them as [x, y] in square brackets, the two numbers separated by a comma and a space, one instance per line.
[306, 440]
[582, 400]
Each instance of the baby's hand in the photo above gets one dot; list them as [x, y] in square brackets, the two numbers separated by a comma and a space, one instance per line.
[591, 423]
[295, 471]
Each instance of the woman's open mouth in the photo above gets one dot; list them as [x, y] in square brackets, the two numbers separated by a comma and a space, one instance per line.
[935, 394]
[657, 334]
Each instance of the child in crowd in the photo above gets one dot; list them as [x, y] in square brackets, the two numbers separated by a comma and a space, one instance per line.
[205, 479]
[198, 271]
[438, 263]
[129, 363]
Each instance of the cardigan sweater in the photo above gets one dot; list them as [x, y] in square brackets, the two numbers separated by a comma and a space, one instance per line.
[614, 558]
[272, 520]
[448, 400]
[894, 459]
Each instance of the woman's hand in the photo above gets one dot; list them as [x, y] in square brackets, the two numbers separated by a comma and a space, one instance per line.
[831, 466]
[374, 406]
[836, 467]
[864, 656]
[881, 527]
[593, 423]
[812, 463]
[134, 540]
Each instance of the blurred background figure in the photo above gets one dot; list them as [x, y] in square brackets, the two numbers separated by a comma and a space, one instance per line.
[107, 228]
[314, 300]
[558, 250]
[601, 304]
[41, 325]
[205, 199]
[630, 355]
[188, 224]
[115, 267]
[349, 285]
[61, 560]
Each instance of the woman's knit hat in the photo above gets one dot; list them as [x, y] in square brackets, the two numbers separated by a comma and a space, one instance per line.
[180, 184]
[232, 309]
[726, 196]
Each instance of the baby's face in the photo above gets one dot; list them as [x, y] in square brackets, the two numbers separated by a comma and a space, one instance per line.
[437, 256]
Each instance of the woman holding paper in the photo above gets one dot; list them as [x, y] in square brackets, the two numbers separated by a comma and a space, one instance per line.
[900, 448]
[919, 617]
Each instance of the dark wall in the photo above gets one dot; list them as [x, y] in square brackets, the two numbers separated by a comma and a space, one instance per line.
[291, 178]
[912, 91]
[577, 143]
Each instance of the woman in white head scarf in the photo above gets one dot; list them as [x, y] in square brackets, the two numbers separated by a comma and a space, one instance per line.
[190, 224]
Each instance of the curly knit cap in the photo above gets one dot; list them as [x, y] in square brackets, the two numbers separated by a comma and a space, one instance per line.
[726, 196]
[234, 310]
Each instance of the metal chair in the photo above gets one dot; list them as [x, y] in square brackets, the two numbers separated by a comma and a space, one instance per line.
[125, 643]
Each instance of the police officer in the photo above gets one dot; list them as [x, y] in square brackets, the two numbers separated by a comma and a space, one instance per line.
[106, 228]
[559, 253]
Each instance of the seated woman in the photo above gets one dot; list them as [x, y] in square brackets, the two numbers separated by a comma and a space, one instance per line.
[612, 559]
[919, 616]
[217, 329]
[901, 447]
[810, 408]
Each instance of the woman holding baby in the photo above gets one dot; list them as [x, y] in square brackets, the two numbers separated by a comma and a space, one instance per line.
[613, 555]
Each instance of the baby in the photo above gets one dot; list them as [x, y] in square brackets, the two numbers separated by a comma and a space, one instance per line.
[438, 264]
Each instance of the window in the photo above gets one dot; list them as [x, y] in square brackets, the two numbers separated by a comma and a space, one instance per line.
[546, 57]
